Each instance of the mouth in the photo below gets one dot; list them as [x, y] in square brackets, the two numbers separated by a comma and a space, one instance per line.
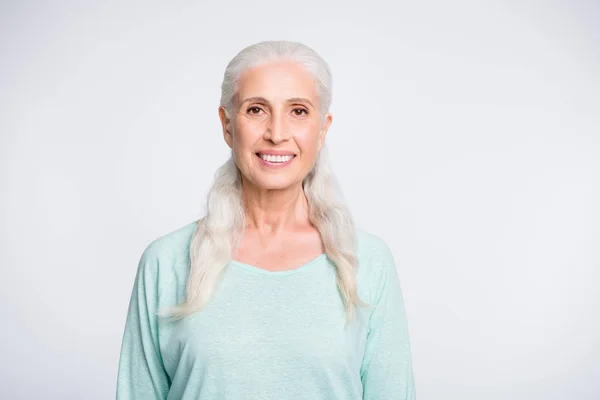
[275, 161]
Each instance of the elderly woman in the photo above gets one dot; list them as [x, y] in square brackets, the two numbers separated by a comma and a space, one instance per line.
[275, 293]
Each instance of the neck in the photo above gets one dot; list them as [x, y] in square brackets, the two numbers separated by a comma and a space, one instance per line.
[270, 211]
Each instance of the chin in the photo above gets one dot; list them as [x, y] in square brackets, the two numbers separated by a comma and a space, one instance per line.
[275, 184]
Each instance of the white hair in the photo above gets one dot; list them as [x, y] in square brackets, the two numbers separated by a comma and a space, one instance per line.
[218, 234]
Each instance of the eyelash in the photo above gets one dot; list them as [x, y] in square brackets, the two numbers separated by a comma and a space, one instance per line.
[298, 108]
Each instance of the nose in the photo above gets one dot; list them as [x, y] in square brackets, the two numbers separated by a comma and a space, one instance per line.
[277, 129]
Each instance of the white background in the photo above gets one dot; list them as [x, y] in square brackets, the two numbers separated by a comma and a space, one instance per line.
[466, 134]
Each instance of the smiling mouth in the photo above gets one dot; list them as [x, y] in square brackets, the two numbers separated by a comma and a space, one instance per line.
[275, 160]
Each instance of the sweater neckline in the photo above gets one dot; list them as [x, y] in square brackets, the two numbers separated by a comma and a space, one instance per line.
[258, 270]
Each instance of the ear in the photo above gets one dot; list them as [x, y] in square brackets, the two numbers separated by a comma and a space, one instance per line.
[226, 124]
[327, 120]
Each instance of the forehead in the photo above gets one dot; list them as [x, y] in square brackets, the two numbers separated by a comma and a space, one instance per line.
[277, 80]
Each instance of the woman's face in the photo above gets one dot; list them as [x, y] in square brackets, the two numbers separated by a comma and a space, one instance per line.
[276, 109]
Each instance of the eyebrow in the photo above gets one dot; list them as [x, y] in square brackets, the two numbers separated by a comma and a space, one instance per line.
[259, 99]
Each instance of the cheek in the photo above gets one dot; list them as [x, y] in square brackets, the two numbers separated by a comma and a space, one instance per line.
[246, 133]
[307, 139]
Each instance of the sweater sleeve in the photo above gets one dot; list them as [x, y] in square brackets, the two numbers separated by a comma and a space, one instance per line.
[141, 374]
[386, 370]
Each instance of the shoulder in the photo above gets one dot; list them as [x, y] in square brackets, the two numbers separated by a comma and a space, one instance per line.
[368, 242]
[375, 262]
[168, 250]
[371, 248]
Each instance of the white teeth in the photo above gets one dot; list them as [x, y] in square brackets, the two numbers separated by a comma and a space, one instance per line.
[271, 158]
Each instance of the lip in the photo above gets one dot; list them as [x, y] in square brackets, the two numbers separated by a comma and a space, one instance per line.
[276, 153]
[275, 165]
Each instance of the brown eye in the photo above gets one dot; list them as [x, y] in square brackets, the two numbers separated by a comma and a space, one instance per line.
[299, 111]
[254, 110]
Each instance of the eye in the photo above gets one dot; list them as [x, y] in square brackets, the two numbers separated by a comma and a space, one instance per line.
[299, 111]
[254, 110]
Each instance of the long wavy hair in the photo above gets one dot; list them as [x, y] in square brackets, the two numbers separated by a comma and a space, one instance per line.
[220, 231]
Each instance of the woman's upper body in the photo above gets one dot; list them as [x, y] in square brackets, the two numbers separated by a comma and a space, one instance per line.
[270, 286]
[266, 334]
